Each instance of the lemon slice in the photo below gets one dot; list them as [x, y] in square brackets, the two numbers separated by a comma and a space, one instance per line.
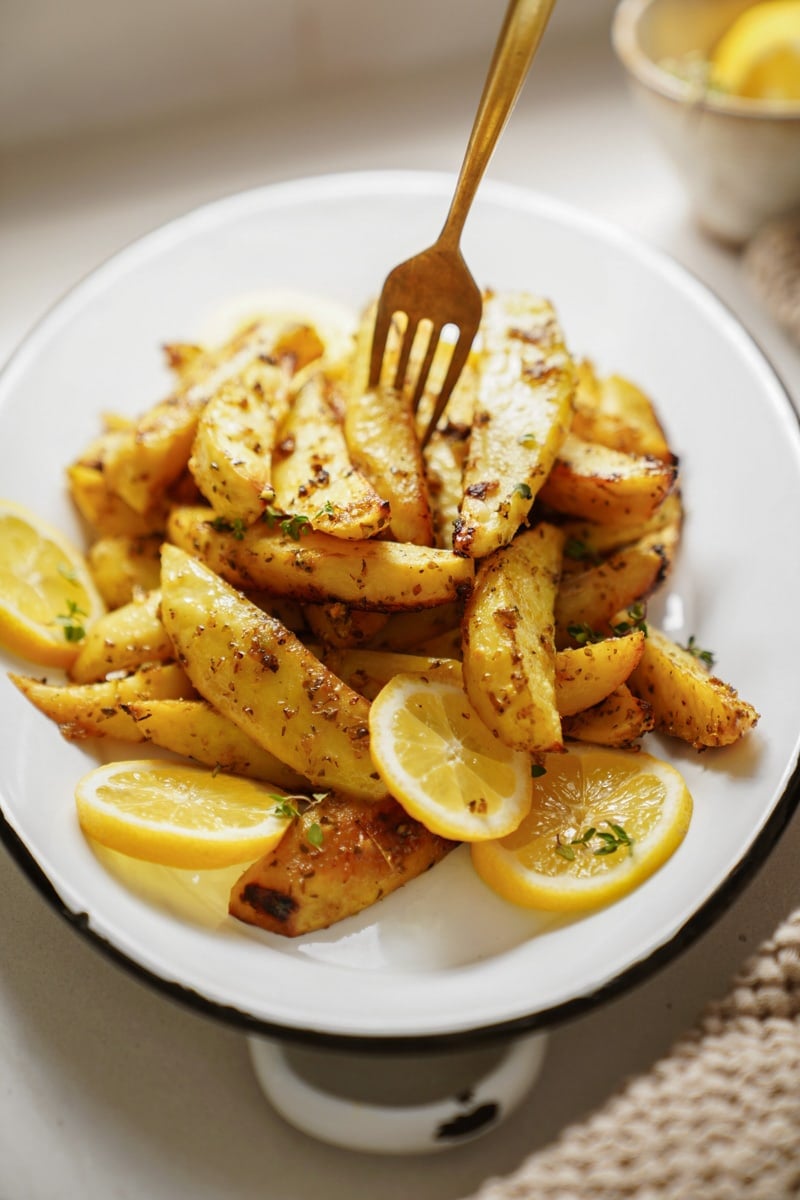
[179, 816]
[601, 822]
[47, 597]
[437, 758]
[759, 55]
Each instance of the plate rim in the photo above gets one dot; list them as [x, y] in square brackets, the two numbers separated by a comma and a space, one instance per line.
[411, 182]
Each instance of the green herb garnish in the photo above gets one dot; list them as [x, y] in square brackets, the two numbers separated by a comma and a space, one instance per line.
[236, 527]
[285, 806]
[522, 489]
[315, 835]
[705, 656]
[291, 524]
[609, 842]
[635, 621]
[578, 551]
[583, 634]
[74, 630]
[67, 573]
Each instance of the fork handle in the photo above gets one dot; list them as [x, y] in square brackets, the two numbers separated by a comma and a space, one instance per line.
[522, 30]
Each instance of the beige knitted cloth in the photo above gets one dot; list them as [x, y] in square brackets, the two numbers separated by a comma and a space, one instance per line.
[717, 1119]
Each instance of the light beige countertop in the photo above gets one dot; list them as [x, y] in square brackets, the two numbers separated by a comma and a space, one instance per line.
[108, 1089]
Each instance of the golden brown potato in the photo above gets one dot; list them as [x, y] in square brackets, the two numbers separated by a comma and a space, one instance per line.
[446, 451]
[368, 850]
[369, 670]
[122, 640]
[197, 731]
[619, 720]
[313, 473]
[523, 409]
[319, 569]
[150, 457]
[588, 602]
[408, 630]
[107, 514]
[508, 641]
[257, 673]
[445, 455]
[587, 543]
[380, 428]
[101, 709]
[687, 701]
[339, 625]
[232, 451]
[183, 357]
[125, 568]
[587, 674]
[599, 484]
[616, 413]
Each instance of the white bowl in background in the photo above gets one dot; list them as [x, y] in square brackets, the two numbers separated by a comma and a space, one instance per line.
[738, 158]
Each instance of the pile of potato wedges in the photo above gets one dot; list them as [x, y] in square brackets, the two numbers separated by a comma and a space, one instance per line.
[273, 544]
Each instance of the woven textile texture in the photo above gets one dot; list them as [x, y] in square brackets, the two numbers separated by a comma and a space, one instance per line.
[718, 1118]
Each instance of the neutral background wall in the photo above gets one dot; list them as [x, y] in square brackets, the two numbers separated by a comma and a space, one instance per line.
[71, 66]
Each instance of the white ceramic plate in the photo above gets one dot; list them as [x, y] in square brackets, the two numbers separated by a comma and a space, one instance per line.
[442, 959]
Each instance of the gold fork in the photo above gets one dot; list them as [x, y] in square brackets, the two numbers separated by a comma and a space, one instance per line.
[436, 286]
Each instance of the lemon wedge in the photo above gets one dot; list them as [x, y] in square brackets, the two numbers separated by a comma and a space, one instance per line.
[446, 768]
[47, 596]
[180, 816]
[601, 822]
[759, 55]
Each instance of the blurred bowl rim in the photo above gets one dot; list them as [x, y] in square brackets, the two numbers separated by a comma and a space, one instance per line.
[625, 40]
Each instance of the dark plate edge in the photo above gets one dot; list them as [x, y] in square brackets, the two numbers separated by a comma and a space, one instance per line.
[698, 923]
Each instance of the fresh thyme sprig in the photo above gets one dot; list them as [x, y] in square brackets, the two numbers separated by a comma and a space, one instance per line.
[294, 525]
[609, 842]
[74, 629]
[705, 656]
[286, 806]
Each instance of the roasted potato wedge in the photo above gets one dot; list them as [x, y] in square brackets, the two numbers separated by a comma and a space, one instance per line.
[409, 630]
[369, 670]
[339, 625]
[232, 451]
[380, 429]
[101, 709]
[318, 569]
[589, 601]
[616, 413]
[183, 357]
[508, 641]
[596, 483]
[619, 720]
[151, 456]
[445, 455]
[368, 851]
[257, 673]
[446, 451]
[313, 474]
[125, 568]
[587, 543]
[106, 513]
[123, 640]
[687, 701]
[587, 674]
[196, 730]
[523, 410]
